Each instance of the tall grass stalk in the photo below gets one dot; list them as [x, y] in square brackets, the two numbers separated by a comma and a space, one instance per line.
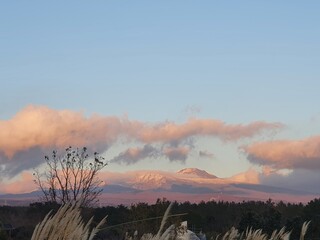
[304, 230]
[66, 224]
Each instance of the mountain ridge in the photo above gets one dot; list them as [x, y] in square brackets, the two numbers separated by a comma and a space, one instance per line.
[196, 172]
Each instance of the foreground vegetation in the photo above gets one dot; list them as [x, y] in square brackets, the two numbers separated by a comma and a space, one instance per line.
[213, 218]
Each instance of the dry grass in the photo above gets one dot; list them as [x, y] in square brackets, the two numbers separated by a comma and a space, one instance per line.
[67, 224]
[250, 234]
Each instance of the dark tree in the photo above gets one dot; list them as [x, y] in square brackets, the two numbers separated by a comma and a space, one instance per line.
[72, 176]
[250, 220]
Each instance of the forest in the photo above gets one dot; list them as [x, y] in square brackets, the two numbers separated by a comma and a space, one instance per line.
[212, 218]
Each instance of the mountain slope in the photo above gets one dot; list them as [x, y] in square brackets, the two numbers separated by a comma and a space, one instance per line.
[196, 172]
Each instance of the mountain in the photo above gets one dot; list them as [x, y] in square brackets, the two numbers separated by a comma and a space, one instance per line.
[196, 172]
[148, 180]
[151, 180]
[189, 184]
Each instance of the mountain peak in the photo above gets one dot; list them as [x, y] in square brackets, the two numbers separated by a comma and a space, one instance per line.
[196, 172]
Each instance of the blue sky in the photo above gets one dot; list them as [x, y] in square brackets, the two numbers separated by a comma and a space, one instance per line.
[235, 61]
[259, 56]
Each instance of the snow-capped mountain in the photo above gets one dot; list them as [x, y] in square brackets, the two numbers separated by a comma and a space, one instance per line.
[189, 184]
[196, 172]
[145, 180]
[151, 180]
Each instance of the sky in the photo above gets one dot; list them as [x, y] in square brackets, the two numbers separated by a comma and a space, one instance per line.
[229, 87]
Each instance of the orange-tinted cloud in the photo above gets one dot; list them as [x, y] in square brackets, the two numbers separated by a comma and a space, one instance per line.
[41, 129]
[170, 131]
[39, 126]
[286, 154]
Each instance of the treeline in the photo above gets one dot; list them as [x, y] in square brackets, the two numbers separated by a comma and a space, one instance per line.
[212, 218]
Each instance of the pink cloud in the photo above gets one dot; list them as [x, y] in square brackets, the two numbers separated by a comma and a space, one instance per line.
[39, 126]
[286, 154]
[170, 131]
[41, 129]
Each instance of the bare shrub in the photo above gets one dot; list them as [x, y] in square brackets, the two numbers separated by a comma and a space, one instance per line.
[71, 177]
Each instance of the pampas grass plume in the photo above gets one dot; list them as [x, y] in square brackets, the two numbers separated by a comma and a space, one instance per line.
[66, 224]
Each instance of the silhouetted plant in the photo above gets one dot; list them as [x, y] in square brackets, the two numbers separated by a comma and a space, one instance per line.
[71, 177]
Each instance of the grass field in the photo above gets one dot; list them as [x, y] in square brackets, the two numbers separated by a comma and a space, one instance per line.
[67, 224]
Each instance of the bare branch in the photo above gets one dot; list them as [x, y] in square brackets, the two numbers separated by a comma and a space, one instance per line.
[72, 176]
